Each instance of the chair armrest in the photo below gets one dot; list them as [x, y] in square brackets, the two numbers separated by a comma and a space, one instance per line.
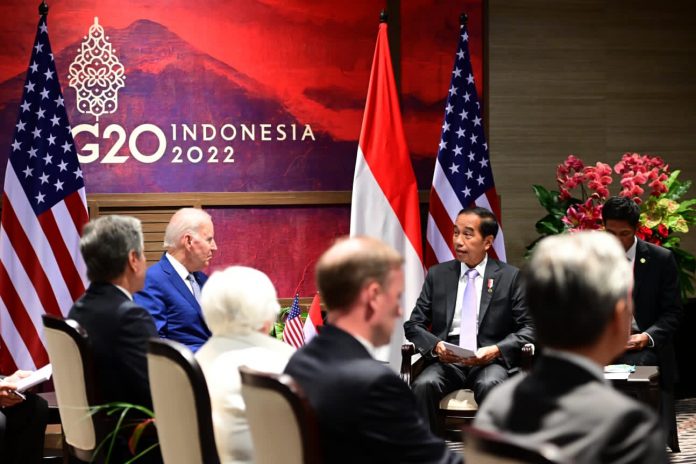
[410, 367]
[407, 351]
[527, 356]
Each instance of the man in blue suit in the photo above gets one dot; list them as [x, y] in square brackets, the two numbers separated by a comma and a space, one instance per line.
[173, 285]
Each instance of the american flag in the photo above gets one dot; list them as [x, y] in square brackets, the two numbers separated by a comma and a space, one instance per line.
[463, 176]
[43, 211]
[293, 333]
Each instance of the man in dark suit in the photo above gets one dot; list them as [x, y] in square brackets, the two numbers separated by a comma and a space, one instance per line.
[173, 285]
[578, 290]
[366, 413]
[118, 329]
[657, 302]
[490, 318]
[22, 423]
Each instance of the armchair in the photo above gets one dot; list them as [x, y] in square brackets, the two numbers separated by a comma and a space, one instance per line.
[277, 407]
[182, 404]
[74, 379]
[458, 407]
[485, 447]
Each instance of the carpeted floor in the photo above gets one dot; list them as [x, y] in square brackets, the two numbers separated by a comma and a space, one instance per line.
[686, 426]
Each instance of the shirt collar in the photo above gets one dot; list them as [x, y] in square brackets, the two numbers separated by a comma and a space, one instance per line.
[368, 346]
[582, 361]
[631, 253]
[124, 291]
[480, 267]
[178, 267]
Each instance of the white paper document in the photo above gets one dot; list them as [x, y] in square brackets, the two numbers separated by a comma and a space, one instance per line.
[35, 378]
[459, 351]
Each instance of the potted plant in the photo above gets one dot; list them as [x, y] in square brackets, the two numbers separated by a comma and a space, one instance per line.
[648, 180]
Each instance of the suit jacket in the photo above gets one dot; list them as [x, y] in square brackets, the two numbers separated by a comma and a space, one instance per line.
[503, 317]
[173, 307]
[220, 359]
[118, 331]
[366, 413]
[561, 402]
[657, 302]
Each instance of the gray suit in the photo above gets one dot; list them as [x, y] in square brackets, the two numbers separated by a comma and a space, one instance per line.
[563, 403]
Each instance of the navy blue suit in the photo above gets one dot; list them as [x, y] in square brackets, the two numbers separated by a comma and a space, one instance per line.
[174, 309]
[118, 331]
[366, 413]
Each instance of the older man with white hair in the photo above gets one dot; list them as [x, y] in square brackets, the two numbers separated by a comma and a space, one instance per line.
[578, 289]
[173, 285]
[239, 306]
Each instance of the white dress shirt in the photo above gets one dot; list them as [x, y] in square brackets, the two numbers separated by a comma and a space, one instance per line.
[181, 270]
[463, 282]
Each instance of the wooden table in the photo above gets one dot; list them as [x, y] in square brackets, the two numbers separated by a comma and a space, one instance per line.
[643, 385]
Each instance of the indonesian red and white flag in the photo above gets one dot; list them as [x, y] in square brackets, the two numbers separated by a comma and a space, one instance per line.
[43, 211]
[385, 194]
[313, 320]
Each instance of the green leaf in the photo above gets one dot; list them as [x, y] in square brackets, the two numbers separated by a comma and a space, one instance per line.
[546, 198]
[686, 205]
[671, 241]
[122, 409]
[549, 226]
[279, 327]
[142, 453]
[676, 189]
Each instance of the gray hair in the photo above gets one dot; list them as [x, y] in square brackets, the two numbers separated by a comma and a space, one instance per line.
[185, 220]
[238, 300]
[106, 243]
[573, 283]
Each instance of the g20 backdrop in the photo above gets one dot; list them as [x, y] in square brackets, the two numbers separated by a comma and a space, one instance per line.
[237, 96]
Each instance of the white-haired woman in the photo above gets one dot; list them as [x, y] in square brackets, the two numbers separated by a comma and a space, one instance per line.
[239, 305]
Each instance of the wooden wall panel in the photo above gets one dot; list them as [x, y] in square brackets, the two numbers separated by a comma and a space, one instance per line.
[155, 210]
[592, 77]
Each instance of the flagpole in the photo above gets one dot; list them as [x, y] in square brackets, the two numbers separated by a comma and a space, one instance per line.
[43, 8]
[383, 16]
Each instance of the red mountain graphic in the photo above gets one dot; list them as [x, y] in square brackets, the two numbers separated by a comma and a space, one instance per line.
[169, 82]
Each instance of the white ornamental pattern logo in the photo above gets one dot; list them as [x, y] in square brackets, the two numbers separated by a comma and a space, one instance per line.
[96, 74]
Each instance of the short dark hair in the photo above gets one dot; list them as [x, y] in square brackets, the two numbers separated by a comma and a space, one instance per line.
[489, 223]
[106, 243]
[572, 285]
[621, 209]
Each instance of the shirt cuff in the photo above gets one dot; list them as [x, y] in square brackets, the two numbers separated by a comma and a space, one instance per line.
[651, 343]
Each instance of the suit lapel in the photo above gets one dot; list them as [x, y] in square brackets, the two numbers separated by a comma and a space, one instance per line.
[451, 290]
[490, 275]
[640, 267]
[178, 283]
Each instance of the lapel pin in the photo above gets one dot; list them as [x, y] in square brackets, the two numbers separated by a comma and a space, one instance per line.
[490, 285]
[642, 260]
